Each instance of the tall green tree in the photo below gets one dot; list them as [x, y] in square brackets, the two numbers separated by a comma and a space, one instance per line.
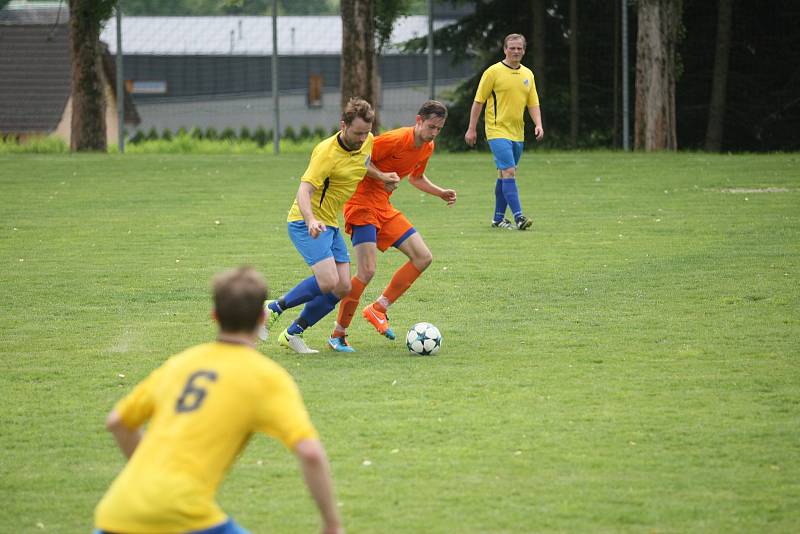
[88, 128]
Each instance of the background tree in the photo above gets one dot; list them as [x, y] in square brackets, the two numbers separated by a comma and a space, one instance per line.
[359, 65]
[659, 22]
[716, 112]
[88, 99]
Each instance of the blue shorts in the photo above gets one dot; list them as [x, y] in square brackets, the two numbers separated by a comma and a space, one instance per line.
[329, 243]
[506, 152]
[228, 527]
[368, 233]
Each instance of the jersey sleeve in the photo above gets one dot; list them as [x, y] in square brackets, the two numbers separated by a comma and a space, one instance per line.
[137, 407]
[485, 86]
[533, 96]
[281, 413]
[319, 167]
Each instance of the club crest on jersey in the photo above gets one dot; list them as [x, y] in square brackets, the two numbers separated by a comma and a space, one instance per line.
[525, 82]
[366, 161]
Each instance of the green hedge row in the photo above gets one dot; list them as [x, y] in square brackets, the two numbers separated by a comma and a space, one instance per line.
[260, 135]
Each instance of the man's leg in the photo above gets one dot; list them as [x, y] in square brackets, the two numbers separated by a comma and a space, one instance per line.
[364, 245]
[413, 246]
[503, 153]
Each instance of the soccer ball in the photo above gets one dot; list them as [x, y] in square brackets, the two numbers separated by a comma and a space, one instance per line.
[424, 339]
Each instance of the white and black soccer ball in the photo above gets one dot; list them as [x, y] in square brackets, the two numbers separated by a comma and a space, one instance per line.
[424, 339]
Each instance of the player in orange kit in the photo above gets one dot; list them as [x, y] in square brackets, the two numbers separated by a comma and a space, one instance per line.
[374, 224]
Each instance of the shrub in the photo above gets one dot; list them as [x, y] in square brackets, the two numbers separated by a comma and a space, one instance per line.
[289, 134]
[244, 134]
[305, 132]
[166, 135]
[196, 133]
[211, 133]
[152, 135]
[228, 134]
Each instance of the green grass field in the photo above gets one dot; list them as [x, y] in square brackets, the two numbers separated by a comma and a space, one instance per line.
[629, 366]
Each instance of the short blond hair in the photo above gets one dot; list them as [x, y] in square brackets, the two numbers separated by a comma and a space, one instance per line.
[512, 37]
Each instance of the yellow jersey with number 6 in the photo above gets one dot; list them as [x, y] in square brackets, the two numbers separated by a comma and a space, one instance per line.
[201, 406]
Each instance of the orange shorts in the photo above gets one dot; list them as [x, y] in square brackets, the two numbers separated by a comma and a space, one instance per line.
[390, 223]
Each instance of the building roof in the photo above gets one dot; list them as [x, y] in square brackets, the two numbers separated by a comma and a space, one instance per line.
[240, 35]
[34, 77]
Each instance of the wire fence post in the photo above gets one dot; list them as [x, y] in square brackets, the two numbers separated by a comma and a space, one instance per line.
[275, 98]
[120, 86]
[431, 80]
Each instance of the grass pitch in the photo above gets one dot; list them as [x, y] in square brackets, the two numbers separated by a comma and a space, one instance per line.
[629, 365]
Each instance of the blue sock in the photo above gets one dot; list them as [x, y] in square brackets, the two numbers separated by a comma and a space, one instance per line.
[499, 201]
[302, 292]
[512, 196]
[316, 310]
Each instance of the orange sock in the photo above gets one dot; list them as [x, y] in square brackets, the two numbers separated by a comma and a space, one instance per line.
[348, 305]
[401, 281]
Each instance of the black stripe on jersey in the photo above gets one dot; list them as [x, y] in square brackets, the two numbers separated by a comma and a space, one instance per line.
[494, 99]
[325, 186]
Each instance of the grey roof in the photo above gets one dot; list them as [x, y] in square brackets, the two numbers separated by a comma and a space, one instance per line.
[34, 13]
[34, 77]
[240, 35]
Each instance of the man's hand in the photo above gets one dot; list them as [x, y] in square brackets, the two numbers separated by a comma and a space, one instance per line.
[539, 133]
[390, 181]
[449, 196]
[471, 137]
[315, 228]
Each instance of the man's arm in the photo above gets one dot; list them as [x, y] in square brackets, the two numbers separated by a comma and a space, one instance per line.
[317, 474]
[390, 179]
[424, 184]
[536, 114]
[127, 438]
[471, 137]
[304, 193]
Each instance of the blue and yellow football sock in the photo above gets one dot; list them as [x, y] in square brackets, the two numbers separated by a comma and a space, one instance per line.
[499, 201]
[316, 309]
[305, 291]
[512, 195]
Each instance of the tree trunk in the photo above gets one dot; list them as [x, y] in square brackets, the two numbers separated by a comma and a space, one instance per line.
[574, 115]
[658, 23]
[88, 98]
[359, 64]
[716, 112]
[538, 40]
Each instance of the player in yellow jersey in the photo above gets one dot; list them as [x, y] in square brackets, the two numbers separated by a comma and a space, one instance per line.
[337, 166]
[507, 88]
[201, 408]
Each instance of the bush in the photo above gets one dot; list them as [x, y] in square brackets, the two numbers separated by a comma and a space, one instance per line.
[305, 132]
[137, 138]
[196, 133]
[152, 135]
[211, 134]
[289, 134]
[181, 132]
[261, 137]
[319, 132]
[244, 134]
[228, 134]
[38, 144]
[166, 135]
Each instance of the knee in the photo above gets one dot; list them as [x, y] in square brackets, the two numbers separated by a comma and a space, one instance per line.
[327, 283]
[423, 261]
[343, 288]
[508, 173]
[366, 272]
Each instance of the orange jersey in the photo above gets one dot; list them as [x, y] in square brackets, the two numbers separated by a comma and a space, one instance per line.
[392, 151]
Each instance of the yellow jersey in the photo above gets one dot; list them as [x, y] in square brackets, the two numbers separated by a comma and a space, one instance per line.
[507, 93]
[335, 172]
[202, 406]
